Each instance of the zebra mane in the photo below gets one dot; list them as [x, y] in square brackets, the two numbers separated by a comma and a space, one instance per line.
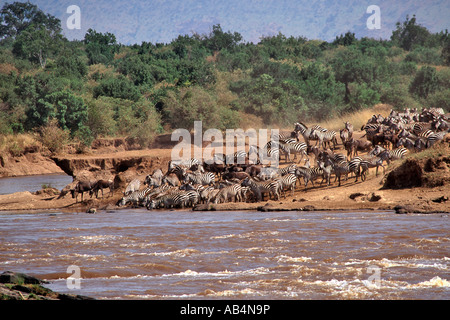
[301, 123]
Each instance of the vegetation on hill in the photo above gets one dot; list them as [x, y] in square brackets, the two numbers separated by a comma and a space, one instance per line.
[100, 88]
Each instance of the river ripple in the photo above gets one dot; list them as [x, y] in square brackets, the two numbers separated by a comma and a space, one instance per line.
[140, 254]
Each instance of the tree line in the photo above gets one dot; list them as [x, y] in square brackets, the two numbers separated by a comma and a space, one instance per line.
[97, 87]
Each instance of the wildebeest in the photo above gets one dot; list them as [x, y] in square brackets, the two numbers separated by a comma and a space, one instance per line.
[100, 185]
[354, 145]
[81, 187]
[235, 175]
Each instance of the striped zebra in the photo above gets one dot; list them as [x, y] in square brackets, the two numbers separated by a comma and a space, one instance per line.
[406, 142]
[345, 135]
[289, 169]
[205, 194]
[345, 167]
[207, 178]
[309, 174]
[325, 138]
[421, 127]
[349, 128]
[134, 185]
[236, 158]
[229, 193]
[327, 170]
[180, 171]
[435, 137]
[371, 162]
[186, 163]
[288, 181]
[297, 148]
[391, 155]
[172, 200]
[264, 155]
[306, 132]
[371, 130]
[259, 187]
[284, 135]
[272, 149]
[135, 197]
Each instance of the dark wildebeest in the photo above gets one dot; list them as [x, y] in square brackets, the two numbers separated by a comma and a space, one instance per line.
[354, 145]
[235, 175]
[100, 185]
[81, 187]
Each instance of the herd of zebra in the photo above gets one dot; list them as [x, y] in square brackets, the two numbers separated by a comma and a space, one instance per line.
[190, 182]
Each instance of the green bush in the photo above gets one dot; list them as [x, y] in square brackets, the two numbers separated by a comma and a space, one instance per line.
[425, 82]
[117, 88]
[425, 55]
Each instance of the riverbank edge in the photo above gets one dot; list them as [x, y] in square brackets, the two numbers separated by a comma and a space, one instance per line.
[20, 286]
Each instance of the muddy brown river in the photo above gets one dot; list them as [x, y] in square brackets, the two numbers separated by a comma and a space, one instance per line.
[140, 254]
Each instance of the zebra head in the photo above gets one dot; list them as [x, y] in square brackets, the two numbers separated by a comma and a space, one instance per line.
[298, 126]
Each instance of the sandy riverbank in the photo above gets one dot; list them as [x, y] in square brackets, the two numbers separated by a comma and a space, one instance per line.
[123, 165]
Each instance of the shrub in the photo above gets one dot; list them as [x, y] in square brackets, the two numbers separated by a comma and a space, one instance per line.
[53, 137]
[117, 88]
[425, 82]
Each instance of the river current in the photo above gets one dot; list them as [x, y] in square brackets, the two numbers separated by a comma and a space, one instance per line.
[141, 254]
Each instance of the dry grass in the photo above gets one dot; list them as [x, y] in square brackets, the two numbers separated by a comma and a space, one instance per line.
[17, 144]
[357, 119]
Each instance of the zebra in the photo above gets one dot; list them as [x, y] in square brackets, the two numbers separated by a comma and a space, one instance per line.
[272, 149]
[328, 154]
[390, 155]
[435, 137]
[163, 189]
[205, 194]
[345, 135]
[263, 154]
[175, 200]
[134, 185]
[371, 162]
[236, 158]
[230, 192]
[288, 181]
[289, 169]
[406, 142]
[155, 179]
[297, 148]
[180, 171]
[187, 163]
[135, 197]
[421, 127]
[207, 178]
[325, 137]
[306, 132]
[284, 135]
[259, 187]
[327, 169]
[192, 198]
[349, 128]
[346, 167]
[309, 174]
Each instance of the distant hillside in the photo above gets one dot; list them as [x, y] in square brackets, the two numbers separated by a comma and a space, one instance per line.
[135, 21]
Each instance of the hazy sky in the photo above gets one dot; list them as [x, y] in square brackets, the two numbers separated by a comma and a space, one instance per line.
[153, 21]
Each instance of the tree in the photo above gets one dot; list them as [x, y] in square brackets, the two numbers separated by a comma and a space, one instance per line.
[425, 82]
[68, 109]
[218, 40]
[18, 17]
[100, 47]
[350, 65]
[117, 88]
[345, 40]
[410, 34]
